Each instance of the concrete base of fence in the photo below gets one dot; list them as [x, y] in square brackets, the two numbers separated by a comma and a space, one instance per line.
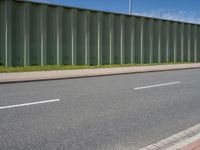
[83, 73]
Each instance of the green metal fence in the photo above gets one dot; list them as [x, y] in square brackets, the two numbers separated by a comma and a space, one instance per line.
[40, 34]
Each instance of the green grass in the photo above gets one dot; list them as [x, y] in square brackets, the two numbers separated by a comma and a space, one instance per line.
[4, 69]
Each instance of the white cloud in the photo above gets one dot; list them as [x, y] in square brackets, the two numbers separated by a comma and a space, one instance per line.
[191, 16]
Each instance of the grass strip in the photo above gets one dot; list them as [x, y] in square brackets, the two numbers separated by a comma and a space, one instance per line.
[4, 69]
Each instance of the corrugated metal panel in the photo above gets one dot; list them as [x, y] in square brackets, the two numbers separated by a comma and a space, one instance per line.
[198, 43]
[40, 34]
[2, 33]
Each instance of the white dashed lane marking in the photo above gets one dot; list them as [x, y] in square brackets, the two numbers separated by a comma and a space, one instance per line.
[156, 85]
[28, 104]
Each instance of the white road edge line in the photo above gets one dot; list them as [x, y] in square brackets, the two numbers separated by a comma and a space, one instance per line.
[156, 85]
[27, 104]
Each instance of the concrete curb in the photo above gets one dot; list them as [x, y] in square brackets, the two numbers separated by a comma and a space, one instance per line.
[37, 79]
[176, 141]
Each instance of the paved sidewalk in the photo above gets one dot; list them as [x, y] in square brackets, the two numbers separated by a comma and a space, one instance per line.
[68, 74]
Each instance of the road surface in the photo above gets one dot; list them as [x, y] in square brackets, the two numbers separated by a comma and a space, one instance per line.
[100, 113]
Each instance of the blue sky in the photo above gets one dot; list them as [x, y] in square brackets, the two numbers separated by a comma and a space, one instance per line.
[183, 10]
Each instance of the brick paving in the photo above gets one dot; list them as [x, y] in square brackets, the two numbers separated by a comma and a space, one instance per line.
[193, 146]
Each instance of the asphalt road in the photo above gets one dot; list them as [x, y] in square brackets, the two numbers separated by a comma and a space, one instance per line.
[99, 113]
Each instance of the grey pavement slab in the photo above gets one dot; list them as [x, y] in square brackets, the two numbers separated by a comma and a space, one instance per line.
[67, 74]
